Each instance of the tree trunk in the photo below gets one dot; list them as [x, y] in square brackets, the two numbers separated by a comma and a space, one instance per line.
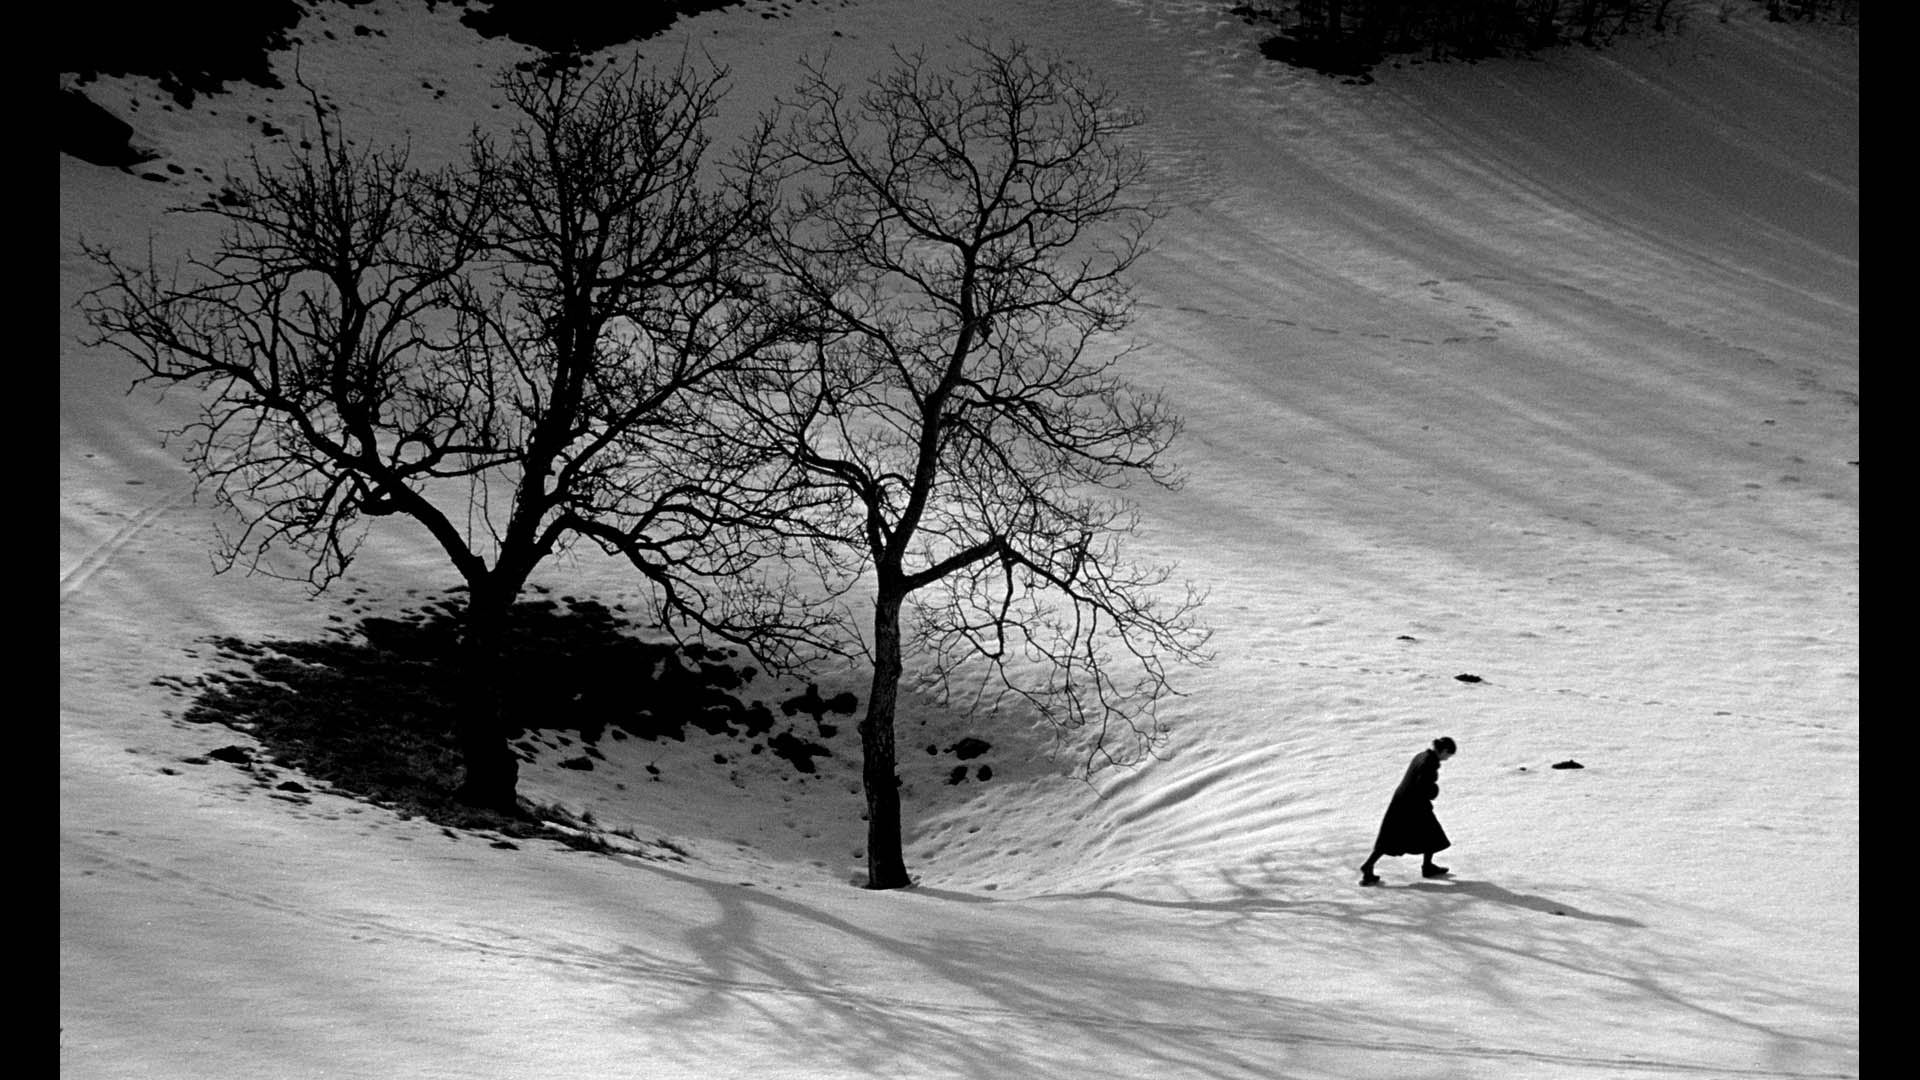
[886, 865]
[492, 768]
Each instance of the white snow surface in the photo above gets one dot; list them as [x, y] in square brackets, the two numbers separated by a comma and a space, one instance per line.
[1544, 370]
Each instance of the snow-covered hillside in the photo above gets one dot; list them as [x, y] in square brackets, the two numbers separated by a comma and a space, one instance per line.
[1541, 370]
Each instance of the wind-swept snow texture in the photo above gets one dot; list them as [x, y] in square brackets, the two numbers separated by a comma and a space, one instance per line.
[1543, 370]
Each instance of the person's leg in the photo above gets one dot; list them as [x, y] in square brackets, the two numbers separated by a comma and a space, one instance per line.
[1367, 876]
[1429, 868]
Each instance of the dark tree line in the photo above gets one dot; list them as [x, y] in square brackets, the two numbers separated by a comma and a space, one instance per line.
[1349, 36]
[1466, 28]
[1843, 11]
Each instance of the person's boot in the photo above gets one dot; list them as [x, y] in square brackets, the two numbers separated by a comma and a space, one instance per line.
[1434, 870]
[1368, 877]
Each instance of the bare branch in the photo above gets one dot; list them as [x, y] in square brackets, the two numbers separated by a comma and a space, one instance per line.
[547, 342]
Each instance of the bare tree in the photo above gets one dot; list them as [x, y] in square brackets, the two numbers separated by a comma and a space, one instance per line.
[962, 241]
[520, 352]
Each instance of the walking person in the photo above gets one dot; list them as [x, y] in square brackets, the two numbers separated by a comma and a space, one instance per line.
[1409, 825]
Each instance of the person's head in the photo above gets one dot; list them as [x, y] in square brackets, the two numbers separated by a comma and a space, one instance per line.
[1444, 747]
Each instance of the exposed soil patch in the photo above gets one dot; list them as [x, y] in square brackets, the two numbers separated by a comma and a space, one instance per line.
[189, 47]
[93, 134]
[565, 32]
[195, 47]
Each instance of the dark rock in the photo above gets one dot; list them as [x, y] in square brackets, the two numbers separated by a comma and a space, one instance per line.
[969, 748]
[1469, 678]
[1568, 764]
[797, 750]
[239, 755]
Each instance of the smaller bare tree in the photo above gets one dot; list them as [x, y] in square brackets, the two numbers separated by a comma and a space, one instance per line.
[520, 352]
[961, 241]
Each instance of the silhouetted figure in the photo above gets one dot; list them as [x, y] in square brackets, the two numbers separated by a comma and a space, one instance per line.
[1409, 825]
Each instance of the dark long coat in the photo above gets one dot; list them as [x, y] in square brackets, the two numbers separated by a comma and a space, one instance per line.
[1409, 827]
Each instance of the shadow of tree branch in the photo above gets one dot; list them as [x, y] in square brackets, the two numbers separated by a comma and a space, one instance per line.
[974, 1003]
[1487, 890]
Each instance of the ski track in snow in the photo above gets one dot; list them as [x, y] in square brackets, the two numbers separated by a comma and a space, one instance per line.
[102, 554]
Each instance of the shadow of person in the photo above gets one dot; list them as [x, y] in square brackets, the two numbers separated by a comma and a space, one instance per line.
[1487, 890]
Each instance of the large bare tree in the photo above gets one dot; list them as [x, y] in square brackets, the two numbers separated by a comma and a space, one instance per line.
[961, 238]
[522, 351]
